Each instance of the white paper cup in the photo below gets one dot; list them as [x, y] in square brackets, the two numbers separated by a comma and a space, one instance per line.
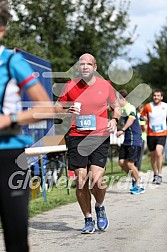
[78, 106]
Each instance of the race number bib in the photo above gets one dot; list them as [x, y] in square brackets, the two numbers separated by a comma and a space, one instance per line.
[86, 122]
[157, 128]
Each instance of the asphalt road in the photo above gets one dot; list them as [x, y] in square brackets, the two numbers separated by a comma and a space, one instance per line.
[137, 223]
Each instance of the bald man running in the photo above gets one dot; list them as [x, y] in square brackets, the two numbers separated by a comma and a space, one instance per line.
[89, 137]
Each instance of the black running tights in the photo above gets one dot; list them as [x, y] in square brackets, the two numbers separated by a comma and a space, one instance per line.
[14, 195]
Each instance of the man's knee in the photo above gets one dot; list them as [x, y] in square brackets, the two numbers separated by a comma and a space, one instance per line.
[122, 163]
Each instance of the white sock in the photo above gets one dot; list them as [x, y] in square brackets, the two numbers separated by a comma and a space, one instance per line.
[99, 204]
[88, 216]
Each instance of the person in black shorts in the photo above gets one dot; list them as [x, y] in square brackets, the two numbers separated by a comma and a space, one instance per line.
[16, 75]
[131, 147]
[89, 137]
[155, 113]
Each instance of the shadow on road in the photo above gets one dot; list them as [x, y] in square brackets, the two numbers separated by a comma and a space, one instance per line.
[54, 226]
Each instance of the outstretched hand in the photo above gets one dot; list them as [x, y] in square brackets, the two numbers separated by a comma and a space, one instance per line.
[119, 133]
[74, 110]
[5, 121]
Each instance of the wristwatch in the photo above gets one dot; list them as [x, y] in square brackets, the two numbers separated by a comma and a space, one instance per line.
[13, 120]
[116, 119]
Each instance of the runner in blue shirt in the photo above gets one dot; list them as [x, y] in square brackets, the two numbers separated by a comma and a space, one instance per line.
[16, 75]
[131, 147]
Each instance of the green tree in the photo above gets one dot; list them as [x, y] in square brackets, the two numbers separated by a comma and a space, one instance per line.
[41, 28]
[155, 71]
[100, 29]
[61, 30]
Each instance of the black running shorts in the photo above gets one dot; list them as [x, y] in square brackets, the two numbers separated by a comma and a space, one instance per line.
[152, 141]
[129, 152]
[85, 151]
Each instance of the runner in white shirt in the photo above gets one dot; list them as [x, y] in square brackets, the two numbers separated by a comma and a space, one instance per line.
[156, 113]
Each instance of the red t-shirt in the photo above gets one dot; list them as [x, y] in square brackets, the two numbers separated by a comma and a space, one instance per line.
[94, 101]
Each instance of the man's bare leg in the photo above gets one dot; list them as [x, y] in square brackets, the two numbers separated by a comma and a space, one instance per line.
[82, 191]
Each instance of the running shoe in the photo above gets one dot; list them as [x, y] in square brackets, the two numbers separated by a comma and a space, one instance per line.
[155, 178]
[159, 180]
[89, 227]
[102, 221]
[133, 187]
[139, 190]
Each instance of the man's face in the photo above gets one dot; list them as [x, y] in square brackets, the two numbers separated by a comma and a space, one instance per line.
[122, 102]
[157, 98]
[87, 67]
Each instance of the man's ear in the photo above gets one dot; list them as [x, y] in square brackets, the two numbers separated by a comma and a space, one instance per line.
[95, 67]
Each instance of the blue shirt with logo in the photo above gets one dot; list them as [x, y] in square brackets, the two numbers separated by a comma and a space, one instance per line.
[21, 78]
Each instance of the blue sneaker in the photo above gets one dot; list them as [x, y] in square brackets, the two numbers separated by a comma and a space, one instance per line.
[138, 190]
[89, 227]
[102, 221]
[133, 187]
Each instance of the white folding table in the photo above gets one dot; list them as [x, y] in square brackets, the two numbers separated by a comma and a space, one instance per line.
[40, 152]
